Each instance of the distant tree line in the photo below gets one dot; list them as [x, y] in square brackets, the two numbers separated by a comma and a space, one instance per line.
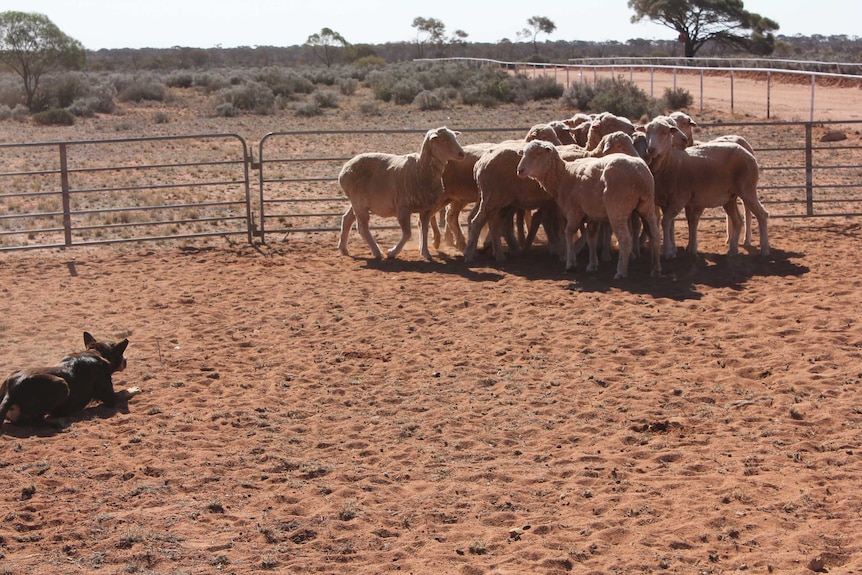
[837, 48]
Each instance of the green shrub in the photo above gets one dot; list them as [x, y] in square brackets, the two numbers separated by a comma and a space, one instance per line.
[309, 109]
[55, 117]
[284, 82]
[5, 112]
[578, 96]
[143, 89]
[348, 86]
[370, 109]
[622, 98]
[428, 100]
[180, 80]
[249, 97]
[66, 89]
[226, 110]
[677, 99]
[405, 91]
[325, 98]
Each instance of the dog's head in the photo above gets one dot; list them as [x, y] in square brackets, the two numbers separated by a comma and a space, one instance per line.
[112, 352]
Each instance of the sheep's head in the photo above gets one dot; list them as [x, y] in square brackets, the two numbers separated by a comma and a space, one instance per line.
[607, 123]
[536, 158]
[543, 132]
[443, 144]
[617, 143]
[686, 125]
[660, 133]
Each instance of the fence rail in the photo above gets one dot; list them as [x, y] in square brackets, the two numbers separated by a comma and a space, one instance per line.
[66, 194]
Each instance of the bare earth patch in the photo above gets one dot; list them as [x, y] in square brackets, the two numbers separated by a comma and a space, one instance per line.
[305, 412]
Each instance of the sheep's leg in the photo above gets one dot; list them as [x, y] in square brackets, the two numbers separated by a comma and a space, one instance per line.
[748, 218]
[346, 223]
[636, 225]
[435, 232]
[762, 216]
[692, 216]
[474, 230]
[621, 226]
[572, 226]
[668, 243]
[362, 221]
[605, 231]
[424, 219]
[494, 233]
[593, 229]
[735, 222]
[406, 232]
[454, 235]
[647, 214]
[507, 223]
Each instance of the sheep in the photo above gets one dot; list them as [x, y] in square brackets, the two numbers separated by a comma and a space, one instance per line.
[607, 123]
[686, 124]
[499, 188]
[709, 175]
[459, 186]
[459, 190]
[601, 189]
[389, 185]
[579, 127]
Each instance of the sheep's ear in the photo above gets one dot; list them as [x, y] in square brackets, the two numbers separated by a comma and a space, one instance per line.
[692, 122]
[456, 132]
[641, 129]
[520, 152]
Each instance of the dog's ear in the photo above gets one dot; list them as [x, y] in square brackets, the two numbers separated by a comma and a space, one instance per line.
[88, 339]
[120, 347]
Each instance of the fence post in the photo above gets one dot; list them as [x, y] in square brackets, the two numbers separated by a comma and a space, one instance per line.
[731, 91]
[809, 171]
[768, 92]
[813, 83]
[67, 203]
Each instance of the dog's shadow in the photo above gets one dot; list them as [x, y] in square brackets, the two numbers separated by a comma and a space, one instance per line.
[54, 425]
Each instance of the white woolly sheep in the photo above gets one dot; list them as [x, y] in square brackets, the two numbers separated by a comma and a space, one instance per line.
[700, 177]
[500, 188]
[686, 124]
[603, 189]
[389, 185]
[607, 123]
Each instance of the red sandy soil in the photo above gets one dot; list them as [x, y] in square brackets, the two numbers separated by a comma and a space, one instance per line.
[307, 412]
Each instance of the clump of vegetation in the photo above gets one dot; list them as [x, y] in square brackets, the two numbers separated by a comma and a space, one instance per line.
[55, 117]
[141, 89]
[677, 99]
[252, 97]
[325, 98]
[617, 96]
[309, 109]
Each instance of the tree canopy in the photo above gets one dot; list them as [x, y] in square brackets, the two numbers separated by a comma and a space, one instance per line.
[31, 45]
[322, 42]
[700, 21]
[433, 31]
[535, 25]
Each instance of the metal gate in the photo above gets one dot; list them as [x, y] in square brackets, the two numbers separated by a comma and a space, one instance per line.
[60, 194]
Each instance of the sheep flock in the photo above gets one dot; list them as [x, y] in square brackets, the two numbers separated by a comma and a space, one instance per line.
[585, 180]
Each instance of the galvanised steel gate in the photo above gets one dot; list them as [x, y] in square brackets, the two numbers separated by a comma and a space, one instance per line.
[79, 193]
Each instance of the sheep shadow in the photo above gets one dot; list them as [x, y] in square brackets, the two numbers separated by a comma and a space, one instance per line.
[53, 426]
[441, 264]
[687, 276]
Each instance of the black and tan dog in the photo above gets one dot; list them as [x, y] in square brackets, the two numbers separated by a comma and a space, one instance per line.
[28, 396]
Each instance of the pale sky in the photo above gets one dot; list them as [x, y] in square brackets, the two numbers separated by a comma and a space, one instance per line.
[211, 23]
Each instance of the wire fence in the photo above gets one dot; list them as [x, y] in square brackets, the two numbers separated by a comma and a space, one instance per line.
[79, 193]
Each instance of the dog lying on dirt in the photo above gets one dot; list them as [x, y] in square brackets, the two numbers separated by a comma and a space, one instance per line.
[29, 395]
